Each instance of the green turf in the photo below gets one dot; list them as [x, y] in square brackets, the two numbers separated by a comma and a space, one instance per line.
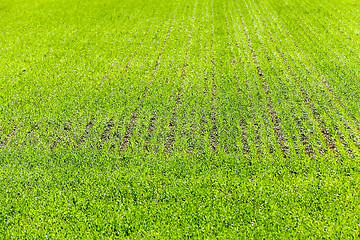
[179, 119]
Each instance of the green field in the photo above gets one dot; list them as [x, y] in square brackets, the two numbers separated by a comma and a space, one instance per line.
[179, 119]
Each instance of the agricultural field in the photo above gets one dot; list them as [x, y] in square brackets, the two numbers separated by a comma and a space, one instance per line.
[179, 119]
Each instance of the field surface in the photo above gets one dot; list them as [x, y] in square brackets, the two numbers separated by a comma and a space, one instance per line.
[179, 119]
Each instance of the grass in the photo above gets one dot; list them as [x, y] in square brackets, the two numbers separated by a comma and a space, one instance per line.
[179, 119]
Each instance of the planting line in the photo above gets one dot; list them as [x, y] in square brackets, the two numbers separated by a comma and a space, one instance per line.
[254, 124]
[323, 128]
[278, 131]
[316, 115]
[131, 124]
[301, 130]
[213, 134]
[244, 128]
[172, 125]
[7, 139]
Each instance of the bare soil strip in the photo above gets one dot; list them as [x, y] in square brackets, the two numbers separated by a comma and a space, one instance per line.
[154, 117]
[106, 134]
[86, 133]
[203, 119]
[316, 115]
[150, 131]
[332, 93]
[343, 141]
[244, 128]
[173, 122]
[191, 141]
[244, 136]
[275, 119]
[30, 134]
[131, 124]
[172, 125]
[304, 139]
[214, 128]
[6, 140]
[213, 134]
[326, 84]
[67, 128]
[244, 124]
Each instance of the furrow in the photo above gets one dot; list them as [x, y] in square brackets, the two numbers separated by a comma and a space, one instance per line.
[214, 128]
[59, 138]
[323, 80]
[132, 122]
[172, 125]
[254, 138]
[6, 140]
[173, 122]
[106, 134]
[277, 129]
[299, 126]
[86, 133]
[316, 115]
[150, 131]
[243, 124]
[339, 109]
